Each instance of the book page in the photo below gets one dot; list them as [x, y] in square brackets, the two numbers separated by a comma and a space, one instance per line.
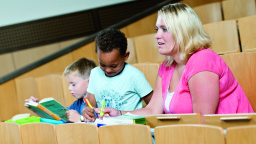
[128, 118]
[46, 99]
[31, 103]
[130, 114]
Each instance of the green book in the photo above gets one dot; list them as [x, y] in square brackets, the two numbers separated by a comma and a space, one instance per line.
[49, 108]
[125, 119]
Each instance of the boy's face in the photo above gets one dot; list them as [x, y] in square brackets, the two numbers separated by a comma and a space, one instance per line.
[77, 85]
[111, 62]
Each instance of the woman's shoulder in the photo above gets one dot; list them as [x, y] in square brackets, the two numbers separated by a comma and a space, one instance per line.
[205, 60]
[205, 53]
[204, 56]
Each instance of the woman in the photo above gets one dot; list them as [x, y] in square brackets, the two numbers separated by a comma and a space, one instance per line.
[192, 79]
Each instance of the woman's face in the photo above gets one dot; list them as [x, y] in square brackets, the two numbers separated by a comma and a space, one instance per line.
[164, 38]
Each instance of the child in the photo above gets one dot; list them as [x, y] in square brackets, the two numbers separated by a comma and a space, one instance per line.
[121, 85]
[77, 75]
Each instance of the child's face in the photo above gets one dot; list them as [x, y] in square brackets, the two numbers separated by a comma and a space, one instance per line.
[77, 85]
[111, 62]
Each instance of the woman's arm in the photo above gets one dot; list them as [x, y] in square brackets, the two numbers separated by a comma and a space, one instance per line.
[204, 90]
[155, 105]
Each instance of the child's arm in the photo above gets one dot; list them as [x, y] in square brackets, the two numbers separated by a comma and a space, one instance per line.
[92, 100]
[147, 98]
[88, 113]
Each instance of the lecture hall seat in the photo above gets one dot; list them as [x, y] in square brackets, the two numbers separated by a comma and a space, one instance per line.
[147, 50]
[189, 134]
[224, 36]
[132, 59]
[241, 135]
[247, 30]
[234, 9]
[209, 13]
[25, 87]
[50, 86]
[243, 67]
[172, 119]
[38, 133]
[75, 133]
[125, 134]
[10, 133]
[229, 120]
[150, 70]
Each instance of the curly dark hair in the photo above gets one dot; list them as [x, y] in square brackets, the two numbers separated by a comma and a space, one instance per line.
[110, 39]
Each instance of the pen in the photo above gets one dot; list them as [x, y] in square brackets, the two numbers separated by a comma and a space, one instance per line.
[102, 108]
[88, 103]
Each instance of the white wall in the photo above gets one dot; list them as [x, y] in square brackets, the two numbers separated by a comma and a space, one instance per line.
[18, 11]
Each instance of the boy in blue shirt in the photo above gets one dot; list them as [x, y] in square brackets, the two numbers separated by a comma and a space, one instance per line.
[77, 75]
[121, 85]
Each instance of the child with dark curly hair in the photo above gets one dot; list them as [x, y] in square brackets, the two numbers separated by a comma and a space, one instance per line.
[121, 85]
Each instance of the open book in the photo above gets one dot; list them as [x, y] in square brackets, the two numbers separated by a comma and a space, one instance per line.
[49, 108]
[127, 118]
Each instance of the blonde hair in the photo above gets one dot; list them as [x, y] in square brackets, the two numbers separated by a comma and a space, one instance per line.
[82, 66]
[186, 29]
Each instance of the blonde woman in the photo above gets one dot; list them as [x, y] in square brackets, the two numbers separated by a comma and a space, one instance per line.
[193, 78]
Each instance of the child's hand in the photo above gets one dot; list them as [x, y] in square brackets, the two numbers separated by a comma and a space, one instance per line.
[31, 99]
[88, 114]
[73, 116]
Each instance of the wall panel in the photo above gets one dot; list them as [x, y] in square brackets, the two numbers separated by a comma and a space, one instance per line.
[87, 51]
[144, 26]
[67, 43]
[27, 56]
[6, 63]
[56, 66]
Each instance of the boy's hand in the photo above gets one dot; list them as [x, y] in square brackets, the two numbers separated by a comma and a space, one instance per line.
[88, 114]
[73, 116]
[31, 99]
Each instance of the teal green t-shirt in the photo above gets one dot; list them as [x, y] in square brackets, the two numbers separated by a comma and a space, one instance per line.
[122, 92]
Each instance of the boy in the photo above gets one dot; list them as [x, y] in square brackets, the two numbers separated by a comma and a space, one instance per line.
[121, 85]
[77, 75]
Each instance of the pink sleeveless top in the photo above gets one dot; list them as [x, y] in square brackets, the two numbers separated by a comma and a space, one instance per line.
[232, 97]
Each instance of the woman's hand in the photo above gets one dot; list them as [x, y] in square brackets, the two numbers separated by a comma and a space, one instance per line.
[109, 112]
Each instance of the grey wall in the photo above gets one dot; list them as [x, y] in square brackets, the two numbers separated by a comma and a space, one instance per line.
[18, 11]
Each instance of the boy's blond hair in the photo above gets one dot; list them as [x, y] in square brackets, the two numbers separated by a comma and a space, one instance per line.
[82, 66]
